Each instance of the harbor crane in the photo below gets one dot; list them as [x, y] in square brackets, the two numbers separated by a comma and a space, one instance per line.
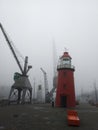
[46, 86]
[22, 84]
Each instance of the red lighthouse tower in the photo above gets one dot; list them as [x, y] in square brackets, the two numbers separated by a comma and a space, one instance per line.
[65, 95]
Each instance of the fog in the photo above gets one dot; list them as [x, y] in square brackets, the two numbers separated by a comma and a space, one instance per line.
[33, 26]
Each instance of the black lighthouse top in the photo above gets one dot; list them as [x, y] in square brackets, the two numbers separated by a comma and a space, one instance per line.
[65, 62]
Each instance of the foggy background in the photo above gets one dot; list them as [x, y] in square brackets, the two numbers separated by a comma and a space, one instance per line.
[33, 26]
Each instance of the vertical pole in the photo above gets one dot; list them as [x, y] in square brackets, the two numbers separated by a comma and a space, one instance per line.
[95, 91]
[34, 90]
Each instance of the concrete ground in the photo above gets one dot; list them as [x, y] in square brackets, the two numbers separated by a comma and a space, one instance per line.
[44, 117]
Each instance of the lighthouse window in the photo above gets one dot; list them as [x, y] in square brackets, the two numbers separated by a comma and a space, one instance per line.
[66, 61]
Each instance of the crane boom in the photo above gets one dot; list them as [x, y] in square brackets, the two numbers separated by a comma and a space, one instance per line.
[46, 84]
[43, 71]
[10, 46]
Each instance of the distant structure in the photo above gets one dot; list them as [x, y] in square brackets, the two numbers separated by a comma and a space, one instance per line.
[39, 94]
[65, 95]
[34, 91]
[52, 91]
[21, 90]
[46, 86]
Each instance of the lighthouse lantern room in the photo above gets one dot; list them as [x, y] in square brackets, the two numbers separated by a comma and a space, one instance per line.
[65, 95]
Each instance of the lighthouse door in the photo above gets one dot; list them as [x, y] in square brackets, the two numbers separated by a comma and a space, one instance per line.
[63, 101]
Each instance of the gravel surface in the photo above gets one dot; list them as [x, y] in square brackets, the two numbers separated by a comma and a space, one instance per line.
[44, 117]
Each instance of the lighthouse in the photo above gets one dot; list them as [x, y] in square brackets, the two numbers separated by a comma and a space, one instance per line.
[65, 94]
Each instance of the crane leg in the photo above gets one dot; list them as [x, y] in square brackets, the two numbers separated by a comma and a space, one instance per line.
[23, 96]
[30, 95]
[19, 96]
[12, 89]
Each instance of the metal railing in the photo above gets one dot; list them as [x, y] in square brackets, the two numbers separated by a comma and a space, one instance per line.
[65, 66]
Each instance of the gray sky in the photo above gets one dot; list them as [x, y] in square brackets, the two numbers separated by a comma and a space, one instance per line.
[33, 24]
